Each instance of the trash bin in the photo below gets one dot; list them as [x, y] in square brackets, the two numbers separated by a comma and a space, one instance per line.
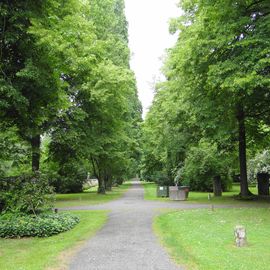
[263, 184]
[186, 189]
[178, 193]
[162, 191]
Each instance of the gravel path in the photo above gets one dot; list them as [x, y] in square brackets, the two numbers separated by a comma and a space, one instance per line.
[127, 241]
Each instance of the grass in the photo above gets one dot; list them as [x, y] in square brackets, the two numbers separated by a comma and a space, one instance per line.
[204, 240]
[52, 252]
[90, 197]
[202, 197]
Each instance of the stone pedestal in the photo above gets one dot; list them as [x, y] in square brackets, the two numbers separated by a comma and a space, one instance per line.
[240, 236]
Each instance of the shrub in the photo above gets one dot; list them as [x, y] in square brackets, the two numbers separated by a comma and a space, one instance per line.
[201, 165]
[69, 178]
[26, 194]
[43, 225]
[163, 180]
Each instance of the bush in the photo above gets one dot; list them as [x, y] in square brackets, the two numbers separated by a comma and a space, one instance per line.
[43, 225]
[26, 194]
[201, 165]
[69, 178]
[163, 180]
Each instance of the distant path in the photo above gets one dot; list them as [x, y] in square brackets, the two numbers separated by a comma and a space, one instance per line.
[127, 241]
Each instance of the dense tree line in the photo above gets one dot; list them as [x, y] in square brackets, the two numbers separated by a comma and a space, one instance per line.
[213, 110]
[68, 103]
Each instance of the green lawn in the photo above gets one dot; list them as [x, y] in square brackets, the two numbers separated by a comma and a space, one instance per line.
[202, 197]
[90, 197]
[204, 240]
[51, 252]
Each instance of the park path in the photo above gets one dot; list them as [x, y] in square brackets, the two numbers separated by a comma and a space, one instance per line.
[127, 241]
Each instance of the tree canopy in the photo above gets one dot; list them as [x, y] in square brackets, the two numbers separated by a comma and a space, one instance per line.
[65, 76]
[217, 87]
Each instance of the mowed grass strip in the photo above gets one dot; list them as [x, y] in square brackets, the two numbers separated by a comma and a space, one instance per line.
[202, 197]
[204, 239]
[90, 197]
[52, 252]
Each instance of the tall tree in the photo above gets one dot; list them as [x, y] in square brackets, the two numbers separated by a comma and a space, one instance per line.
[222, 57]
[31, 89]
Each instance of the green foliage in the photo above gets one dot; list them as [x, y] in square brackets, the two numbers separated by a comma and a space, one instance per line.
[102, 94]
[201, 165]
[71, 181]
[26, 194]
[14, 158]
[259, 164]
[36, 253]
[65, 74]
[217, 89]
[160, 178]
[31, 90]
[43, 225]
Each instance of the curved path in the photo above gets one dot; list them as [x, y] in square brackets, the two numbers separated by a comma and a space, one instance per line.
[127, 241]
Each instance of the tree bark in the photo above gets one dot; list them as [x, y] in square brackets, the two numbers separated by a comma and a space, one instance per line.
[98, 175]
[108, 183]
[35, 146]
[217, 187]
[244, 191]
[101, 186]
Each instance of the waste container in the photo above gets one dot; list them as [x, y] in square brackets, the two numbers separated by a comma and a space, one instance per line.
[178, 193]
[185, 189]
[162, 191]
[263, 184]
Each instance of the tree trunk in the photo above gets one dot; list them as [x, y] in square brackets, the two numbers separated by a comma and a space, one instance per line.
[35, 146]
[101, 186]
[108, 183]
[217, 187]
[244, 191]
[98, 175]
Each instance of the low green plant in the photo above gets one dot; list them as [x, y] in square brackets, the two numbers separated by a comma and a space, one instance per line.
[43, 225]
[68, 177]
[203, 162]
[39, 253]
[27, 194]
[163, 180]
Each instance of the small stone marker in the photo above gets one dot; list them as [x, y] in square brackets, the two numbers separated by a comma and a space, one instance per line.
[240, 236]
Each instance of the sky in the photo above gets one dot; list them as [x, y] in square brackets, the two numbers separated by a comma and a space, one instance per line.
[149, 38]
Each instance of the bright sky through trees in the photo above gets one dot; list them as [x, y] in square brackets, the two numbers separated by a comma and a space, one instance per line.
[148, 38]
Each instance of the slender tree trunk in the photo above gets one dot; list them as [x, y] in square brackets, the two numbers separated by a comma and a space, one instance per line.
[108, 183]
[98, 174]
[101, 186]
[35, 145]
[244, 191]
[217, 187]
